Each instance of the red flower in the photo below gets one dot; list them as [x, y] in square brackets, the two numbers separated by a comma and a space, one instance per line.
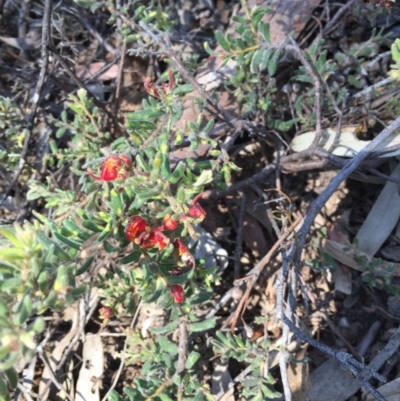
[176, 291]
[177, 271]
[113, 168]
[105, 312]
[181, 247]
[183, 252]
[169, 223]
[152, 239]
[135, 228]
[162, 90]
[195, 210]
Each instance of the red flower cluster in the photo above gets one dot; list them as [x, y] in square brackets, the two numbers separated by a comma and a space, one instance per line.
[139, 232]
[113, 168]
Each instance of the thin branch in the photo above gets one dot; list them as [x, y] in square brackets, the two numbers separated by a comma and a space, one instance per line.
[239, 236]
[360, 371]
[182, 346]
[122, 364]
[253, 274]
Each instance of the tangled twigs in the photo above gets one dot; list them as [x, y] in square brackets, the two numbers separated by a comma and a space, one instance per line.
[351, 166]
[254, 273]
[317, 85]
[360, 371]
[38, 91]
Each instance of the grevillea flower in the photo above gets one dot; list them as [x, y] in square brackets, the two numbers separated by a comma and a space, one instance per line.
[135, 228]
[195, 210]
[183, 252]
[169, 223]
[176, 291]
[113, 168]
[105, 312]
[159, 91]
[152, 239]
[177, 271]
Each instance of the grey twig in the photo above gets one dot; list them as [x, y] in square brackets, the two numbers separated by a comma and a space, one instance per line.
[182, 346]
[239, 236]
[351, 166]
[360, 371]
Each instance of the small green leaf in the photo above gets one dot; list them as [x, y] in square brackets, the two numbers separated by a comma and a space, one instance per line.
[222, 41]
[167, 346]
[203, 325]
[12, 378]
[183, 89]
[180, 279]
[166, 329]
[116, 202]
[263, 28]
[84, 268]
[272, 67]
[23, 312]
[114, 396]
[192, 358]
[133, 257]
[92, 226]
[206, 177]
[178, 173]
[67, 241]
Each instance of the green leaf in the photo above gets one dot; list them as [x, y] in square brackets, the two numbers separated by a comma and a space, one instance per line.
[166, 329]
[62, 280]
[4, 309]
[92, 226]
[74, 229]
[158, 291]
[133, 257]
[114, 396]
[144, 115]
[106, 232]
[12, 378]
[352, 80]
[116, 202]
[263, 28]
[205, 177]
[141, 163]
[6, 232]
[4, 394]
[272, 67]
[183, 89]
[208, 49]
[178, 173]
[203, 325]
[47, 242]
[222, 41]
[76, 292]
[84, 268]
[192, 358]
[23, 312]
[256, 60]
[201, 298]
[165, 167]
[167, 346]
[180, 279]
[68, 241]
